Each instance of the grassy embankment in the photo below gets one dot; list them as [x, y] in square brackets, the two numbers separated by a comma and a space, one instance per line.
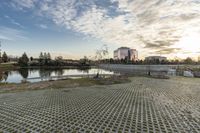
[59, 84]
[8, 66]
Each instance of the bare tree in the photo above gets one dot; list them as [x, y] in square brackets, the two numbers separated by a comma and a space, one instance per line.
[101, 54]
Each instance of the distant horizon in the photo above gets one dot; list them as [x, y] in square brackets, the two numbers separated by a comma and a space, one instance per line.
[92, 58]
[74, 29]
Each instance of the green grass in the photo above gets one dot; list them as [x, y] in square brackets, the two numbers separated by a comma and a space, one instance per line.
[7, 66]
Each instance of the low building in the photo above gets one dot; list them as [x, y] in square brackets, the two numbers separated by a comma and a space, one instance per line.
[156, 58]
[126, 53]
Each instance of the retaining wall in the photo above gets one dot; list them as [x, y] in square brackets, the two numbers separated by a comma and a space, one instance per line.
[144, 69]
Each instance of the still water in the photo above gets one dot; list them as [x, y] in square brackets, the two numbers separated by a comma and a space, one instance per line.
[16, 76]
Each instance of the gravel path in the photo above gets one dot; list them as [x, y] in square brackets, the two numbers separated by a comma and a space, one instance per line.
[144, 105]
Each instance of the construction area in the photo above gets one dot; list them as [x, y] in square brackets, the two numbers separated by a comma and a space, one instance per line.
[144, 105]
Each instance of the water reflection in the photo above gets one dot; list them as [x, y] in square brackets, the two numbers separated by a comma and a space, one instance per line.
[24, 73]
[3, 76]
[17, 76]
[59, 72]
[84, 70]
[45, 73]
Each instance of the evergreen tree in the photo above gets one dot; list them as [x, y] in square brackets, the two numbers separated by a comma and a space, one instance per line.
[31, 58]
[4, 57]
[45, 55]
[23, 61]
[49, 56]
[41, 57]
[48, 62]
[45, 58]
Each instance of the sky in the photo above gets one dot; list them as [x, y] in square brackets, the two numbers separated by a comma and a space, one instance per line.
[77, 28]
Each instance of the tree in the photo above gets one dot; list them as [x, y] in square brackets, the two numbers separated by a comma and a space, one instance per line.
[41, 57]
[101, 54]
[45, 55]
[23, 61]
[199, 59]
[188, 60]
[48, 59]
[48, 56]
[31, 58]
[111, 61]
[4, 57]
[84, 61]
[45, 59]
[59, 61]
[157, 61]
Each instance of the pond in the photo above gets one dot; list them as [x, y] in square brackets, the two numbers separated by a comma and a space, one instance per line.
[17, 76]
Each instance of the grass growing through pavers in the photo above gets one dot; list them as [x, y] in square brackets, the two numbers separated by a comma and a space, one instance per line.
[143, 105]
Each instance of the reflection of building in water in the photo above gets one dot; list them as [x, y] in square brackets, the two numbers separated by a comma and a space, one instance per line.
[126, 53]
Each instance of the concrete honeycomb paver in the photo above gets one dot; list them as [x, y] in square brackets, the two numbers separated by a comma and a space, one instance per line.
[144, 105]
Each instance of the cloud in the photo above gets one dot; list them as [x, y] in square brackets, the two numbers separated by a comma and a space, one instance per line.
[13, 21]
[143, 24]
[43, 26]
[24, 3]
[11, 34]
[165, 51]
[2, 37]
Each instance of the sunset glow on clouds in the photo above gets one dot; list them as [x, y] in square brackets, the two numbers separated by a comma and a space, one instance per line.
[154, 27]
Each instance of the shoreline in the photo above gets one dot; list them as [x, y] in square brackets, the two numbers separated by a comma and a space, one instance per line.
[11, 66]
[59, 84]
[80, 82]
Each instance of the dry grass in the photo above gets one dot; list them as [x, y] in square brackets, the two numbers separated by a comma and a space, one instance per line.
[67, 83]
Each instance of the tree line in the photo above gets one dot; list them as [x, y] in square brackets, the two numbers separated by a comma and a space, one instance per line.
[188, 60]
[45, 59]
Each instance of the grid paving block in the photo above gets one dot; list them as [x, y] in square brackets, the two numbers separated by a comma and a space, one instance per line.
[144, 105]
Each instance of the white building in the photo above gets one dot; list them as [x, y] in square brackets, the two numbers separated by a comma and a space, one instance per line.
[133, 54]
[125, 53]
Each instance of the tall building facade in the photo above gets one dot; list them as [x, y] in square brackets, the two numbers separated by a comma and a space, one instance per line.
[133, 54]
[126, 53]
